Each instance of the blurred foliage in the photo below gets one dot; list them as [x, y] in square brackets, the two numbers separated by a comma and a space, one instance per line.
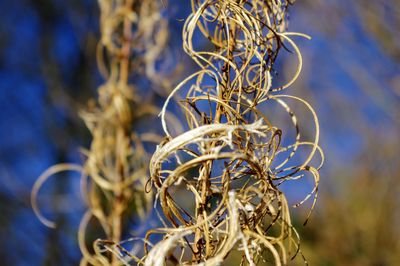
[358, 225]
[47, 51]
[359, 209]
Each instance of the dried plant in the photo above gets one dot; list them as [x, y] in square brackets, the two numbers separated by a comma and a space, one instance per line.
[133, 36]
[232, 160]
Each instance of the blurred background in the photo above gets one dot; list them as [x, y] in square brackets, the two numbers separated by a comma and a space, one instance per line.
[351, 76]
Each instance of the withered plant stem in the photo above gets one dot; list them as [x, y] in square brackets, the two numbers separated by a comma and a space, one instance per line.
[122, 131]
[114, 173]
[231, 159]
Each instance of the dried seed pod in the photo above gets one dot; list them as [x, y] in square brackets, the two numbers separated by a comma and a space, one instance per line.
[133, 36]
[231, 161]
